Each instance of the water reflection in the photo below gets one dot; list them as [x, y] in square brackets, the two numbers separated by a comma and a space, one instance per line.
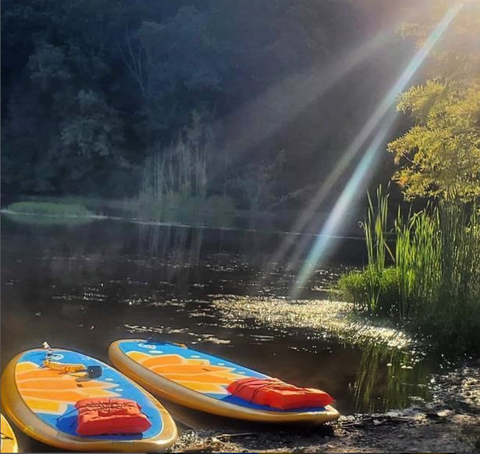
[389, 378]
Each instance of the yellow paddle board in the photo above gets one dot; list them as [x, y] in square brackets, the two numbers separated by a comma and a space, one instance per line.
[41, 402]
[200, 381]
[9, 441]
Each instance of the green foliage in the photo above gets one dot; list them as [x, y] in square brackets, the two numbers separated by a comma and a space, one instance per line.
[47, 66]
[364, 287]
[93, 128]
[417, 258]
[49, 208]
[457, 55]
[46, 221]
[91, 90]
[434, 283]
[440, 155]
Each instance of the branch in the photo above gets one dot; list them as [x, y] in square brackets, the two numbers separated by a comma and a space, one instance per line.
[133, 64]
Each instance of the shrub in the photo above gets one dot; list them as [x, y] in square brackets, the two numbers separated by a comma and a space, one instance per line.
[49, 208]
[360, 287]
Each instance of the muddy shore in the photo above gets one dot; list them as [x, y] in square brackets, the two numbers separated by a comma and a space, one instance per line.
[451, 423]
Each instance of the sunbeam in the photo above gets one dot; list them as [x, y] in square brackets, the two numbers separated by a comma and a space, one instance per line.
[324, 243]
[286, 100]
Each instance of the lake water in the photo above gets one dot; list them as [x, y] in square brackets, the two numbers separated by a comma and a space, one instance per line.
[83, 285]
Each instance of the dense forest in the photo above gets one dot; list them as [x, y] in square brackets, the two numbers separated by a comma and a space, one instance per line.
[268, 93]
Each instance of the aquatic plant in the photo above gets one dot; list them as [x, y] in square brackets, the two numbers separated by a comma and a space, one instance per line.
[46, 221]
[434, 281]
[49, 208]
[174, 185]
[375, 227]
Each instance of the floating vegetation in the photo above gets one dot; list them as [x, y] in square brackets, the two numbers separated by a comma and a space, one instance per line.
[46, 220]
[433, 282]
[49, 208]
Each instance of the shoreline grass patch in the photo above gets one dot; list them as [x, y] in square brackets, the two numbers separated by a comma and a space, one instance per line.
[49, 209]
[433, 281]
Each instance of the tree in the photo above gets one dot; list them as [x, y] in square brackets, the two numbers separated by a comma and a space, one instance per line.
[169, 77]
[440, 155]
[259, 183]
[77, 73]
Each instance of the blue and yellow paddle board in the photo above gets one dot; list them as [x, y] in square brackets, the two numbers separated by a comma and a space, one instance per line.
[9, 440]
[41, 402]
[200, 381]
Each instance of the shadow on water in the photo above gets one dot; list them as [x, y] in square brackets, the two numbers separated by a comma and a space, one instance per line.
[84, 286]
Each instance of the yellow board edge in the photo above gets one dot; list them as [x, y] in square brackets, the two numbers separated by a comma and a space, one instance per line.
[173, 392]
[31, 425]
[9, 440]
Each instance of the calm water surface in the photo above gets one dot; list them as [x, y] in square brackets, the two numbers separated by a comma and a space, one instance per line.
[83, 286]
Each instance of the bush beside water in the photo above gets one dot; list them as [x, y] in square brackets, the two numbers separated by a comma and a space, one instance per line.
[49, 209]
[430, 279]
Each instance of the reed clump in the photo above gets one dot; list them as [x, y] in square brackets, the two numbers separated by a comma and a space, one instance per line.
[175, 184]
[424, 269]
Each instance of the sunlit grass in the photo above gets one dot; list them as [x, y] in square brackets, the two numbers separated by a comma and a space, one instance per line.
[434, 281]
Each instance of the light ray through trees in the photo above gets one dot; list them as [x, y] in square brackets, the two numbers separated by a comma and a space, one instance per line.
[381, 120]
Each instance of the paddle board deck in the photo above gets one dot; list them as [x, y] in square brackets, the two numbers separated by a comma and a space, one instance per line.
[41, 402]
[199, 381]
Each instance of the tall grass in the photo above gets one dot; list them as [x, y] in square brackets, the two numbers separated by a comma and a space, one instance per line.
[175, 184]
[434, 278]
[176, 173]
[417, 259]
[375, 227]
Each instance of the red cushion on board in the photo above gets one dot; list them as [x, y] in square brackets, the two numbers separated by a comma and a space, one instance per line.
[104, 416]
[277, 394]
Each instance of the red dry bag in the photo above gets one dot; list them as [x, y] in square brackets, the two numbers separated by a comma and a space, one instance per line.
[104, 416]
[277, 394]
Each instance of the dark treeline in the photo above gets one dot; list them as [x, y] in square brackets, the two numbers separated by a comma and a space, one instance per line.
[92, 89]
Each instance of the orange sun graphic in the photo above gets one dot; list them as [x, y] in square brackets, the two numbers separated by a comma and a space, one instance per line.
[49, 391]
[196, 374]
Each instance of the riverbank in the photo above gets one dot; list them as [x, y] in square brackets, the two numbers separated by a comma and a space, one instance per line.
[451, 423]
